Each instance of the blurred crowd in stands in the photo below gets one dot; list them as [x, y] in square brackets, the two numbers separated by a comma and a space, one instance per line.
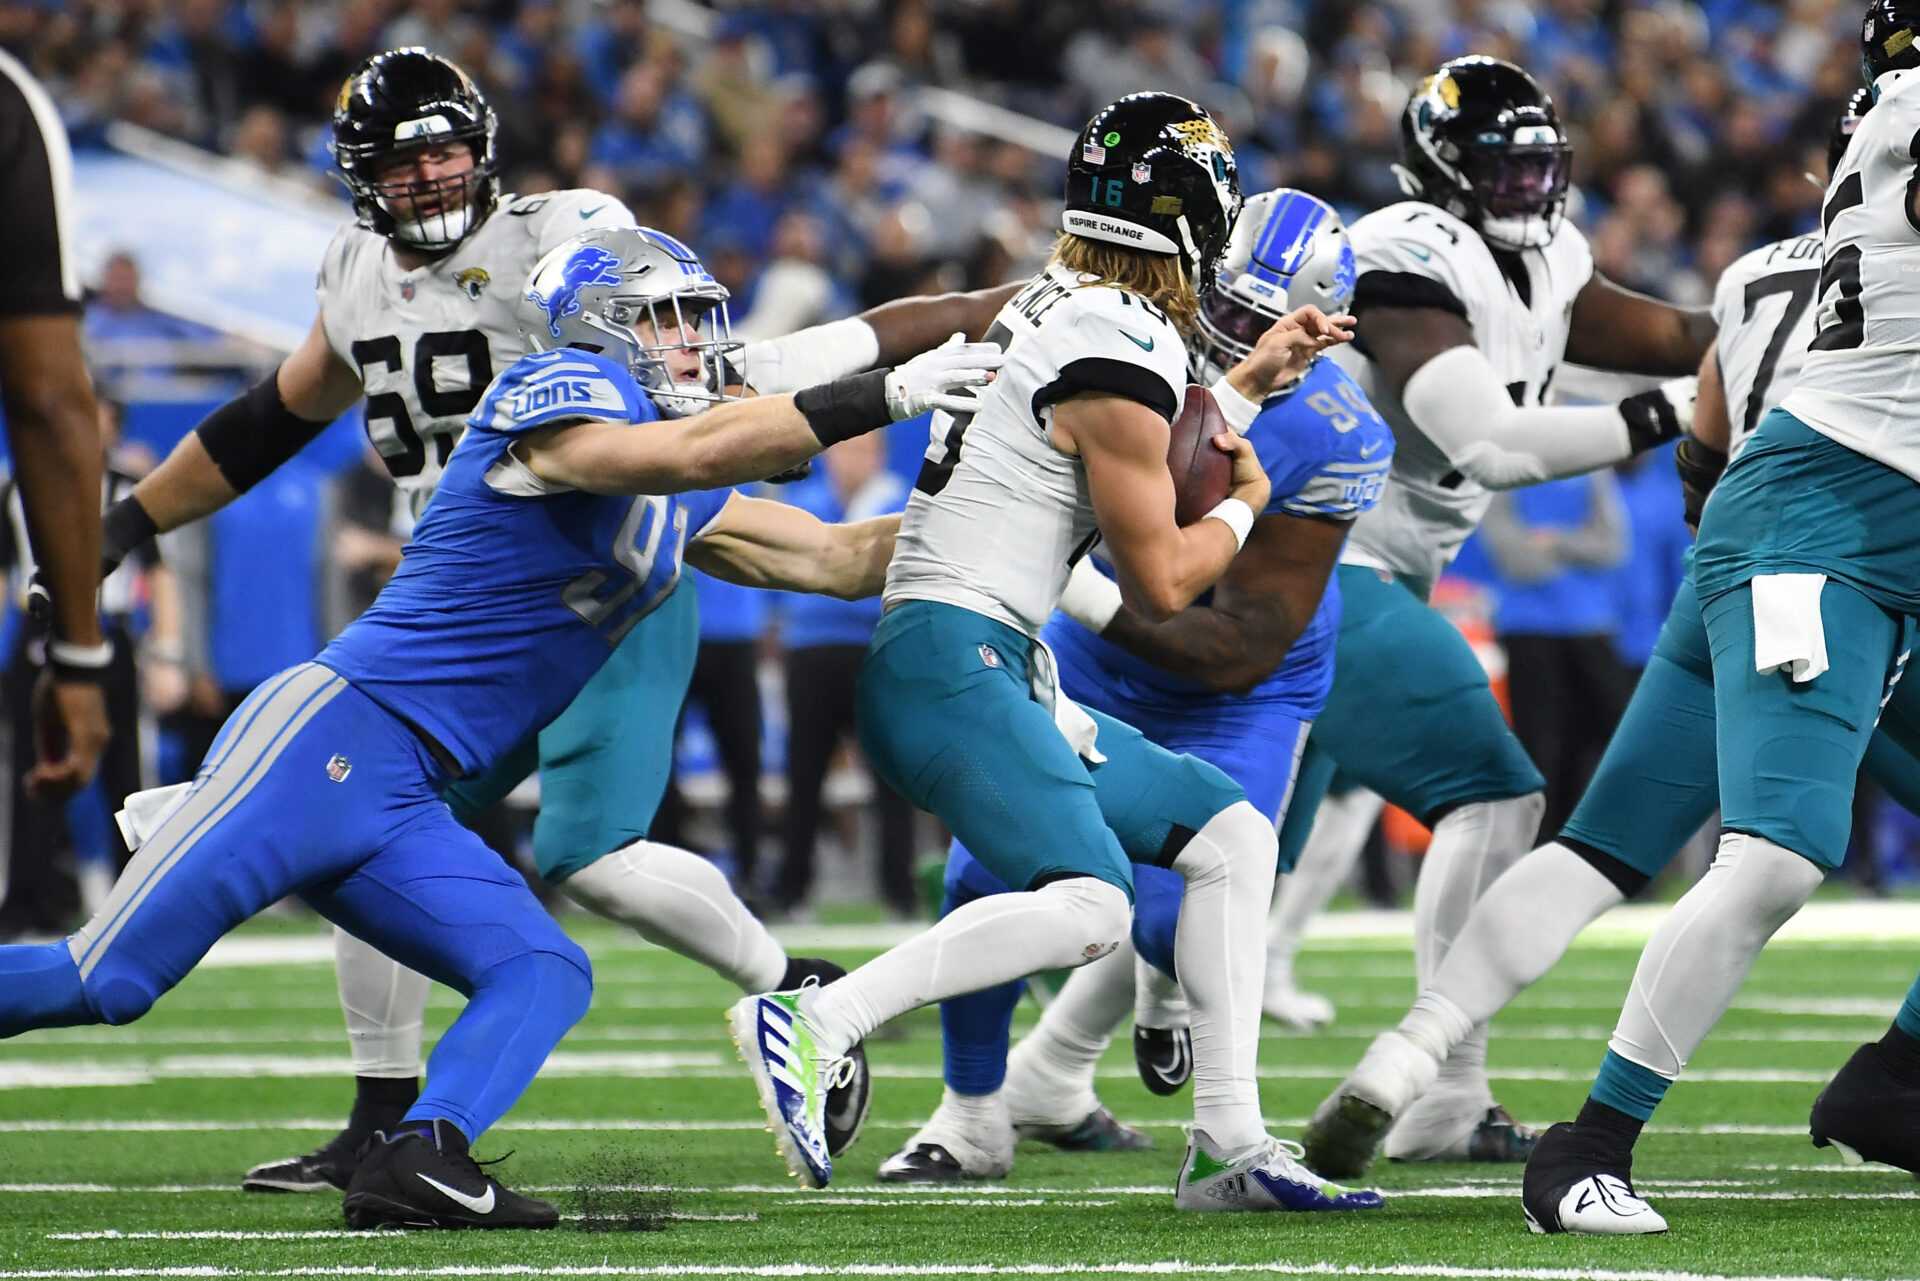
[796, 145]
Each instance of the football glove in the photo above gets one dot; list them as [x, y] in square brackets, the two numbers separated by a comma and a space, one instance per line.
[943, 378]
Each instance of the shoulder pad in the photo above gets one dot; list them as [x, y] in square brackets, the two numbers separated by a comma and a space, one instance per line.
[559, 386]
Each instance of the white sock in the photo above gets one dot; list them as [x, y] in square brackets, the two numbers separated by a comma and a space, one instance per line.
[1525, 922]
[1158, 1000]
[1229, 868]
[682, 902]
[386, 1008]
[1340, 829]
[1700, 954]
[1050, 1072]
[984, 943]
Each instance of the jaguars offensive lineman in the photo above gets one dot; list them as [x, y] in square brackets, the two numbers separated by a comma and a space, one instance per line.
[1658, 782]
[1806, 569]
[560, 521]
[1235, 678]
[417, 303]
[1469, 296]
[960, 710]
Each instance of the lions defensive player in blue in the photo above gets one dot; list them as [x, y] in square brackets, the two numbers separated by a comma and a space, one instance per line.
[1236, 679]
[560, 521]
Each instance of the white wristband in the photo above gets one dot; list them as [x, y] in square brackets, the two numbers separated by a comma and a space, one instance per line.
[1235, 515]
[1090, 598]
[1235, 408]
[68, 654]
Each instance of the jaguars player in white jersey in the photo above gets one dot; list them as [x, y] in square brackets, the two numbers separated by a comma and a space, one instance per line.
[417, 299]
[959, 707]
[1469, 295]
[1658, 783]
[1807, 569]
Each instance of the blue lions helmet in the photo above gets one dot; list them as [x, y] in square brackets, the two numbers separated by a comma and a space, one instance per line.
[1287, 250]
[640, 297]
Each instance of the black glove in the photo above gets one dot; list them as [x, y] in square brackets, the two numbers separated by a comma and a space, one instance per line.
[124, 527]
[1658, 416]
[1699, 467]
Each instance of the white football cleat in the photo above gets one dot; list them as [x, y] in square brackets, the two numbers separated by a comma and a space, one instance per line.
[1602, 1205]
[1265, 1177]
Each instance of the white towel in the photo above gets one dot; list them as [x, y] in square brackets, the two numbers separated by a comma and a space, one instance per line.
[146, 811]
[1787, 633]
[1069, 717]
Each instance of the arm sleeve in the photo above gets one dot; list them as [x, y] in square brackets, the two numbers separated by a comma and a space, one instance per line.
[1459, 403]
[810, 356]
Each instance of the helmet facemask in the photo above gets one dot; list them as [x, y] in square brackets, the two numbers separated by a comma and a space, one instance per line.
[692, 357]
[1521, 191]
[430, 214]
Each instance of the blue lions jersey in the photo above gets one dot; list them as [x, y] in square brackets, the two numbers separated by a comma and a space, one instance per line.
[1327, 453]
[512, 593]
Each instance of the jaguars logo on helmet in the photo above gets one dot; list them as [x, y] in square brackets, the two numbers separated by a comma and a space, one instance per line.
[405, 99]
[1887, 37]
[1154, 172]
[1480, 138]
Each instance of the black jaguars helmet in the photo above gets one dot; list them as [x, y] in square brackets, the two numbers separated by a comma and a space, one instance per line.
[1887, 37]
[1843, 126]
[1481, 140]
[404, 99]
[1154, 172]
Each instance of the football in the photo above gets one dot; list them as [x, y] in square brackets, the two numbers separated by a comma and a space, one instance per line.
[1202, 475]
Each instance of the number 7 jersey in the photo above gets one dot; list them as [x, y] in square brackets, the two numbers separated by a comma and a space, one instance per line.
[427, 342]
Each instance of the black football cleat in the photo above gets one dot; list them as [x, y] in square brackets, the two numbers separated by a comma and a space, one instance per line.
[1575, 1183]
[1164, 1057]
[847, 1103]
[328, 1168]
[411, 1181]
[1866, 1113]
[922, 1163]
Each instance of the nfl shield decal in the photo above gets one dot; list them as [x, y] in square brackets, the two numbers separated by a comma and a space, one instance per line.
[338, 768]
[990, 656]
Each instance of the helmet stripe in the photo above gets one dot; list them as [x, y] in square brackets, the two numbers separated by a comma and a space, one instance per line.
[1283, 242]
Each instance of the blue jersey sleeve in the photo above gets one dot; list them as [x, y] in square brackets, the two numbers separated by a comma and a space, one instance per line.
[1326, 450]
[703, 508]
[551, 387]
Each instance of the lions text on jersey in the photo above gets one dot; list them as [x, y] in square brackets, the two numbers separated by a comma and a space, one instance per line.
[1327, 454]
[1518, 304]
[513, 591]
[426, 342]
[1762, 309]
[1861, 379]
[998, 515]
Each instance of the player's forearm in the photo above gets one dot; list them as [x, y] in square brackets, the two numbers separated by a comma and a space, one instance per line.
[185, 487]
[56, 451]
[854, 566]
[1160, 581]
[1214, 650]
[908, 326]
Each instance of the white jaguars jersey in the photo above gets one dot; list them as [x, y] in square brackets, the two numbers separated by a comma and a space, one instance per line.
[1860, 384]
[1519, 316]
[427, 342]
[998, 515]
[1763, 310]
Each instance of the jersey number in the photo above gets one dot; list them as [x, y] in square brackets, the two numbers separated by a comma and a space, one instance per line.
[1843, 321]
[389, 425]
[1345, 418]
[637, 549]
[1799, 287]
[936, 472]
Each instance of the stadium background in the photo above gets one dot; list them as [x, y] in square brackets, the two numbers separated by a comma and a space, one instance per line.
[828, 155]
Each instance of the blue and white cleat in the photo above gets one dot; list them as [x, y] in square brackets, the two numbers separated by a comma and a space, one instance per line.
[1267, 1177]
[780, 1050]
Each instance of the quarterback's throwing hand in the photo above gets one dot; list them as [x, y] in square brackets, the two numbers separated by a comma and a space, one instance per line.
[943, 378]
[1290, 344]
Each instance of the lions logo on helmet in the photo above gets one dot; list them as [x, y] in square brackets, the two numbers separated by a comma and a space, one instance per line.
[1288, 250]
[555, 287]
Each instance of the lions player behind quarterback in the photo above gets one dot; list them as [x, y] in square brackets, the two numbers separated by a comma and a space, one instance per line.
[556, 528]
[959, 707]
[1807, 570]
[417, 299]
[1235, 678]
[1470, 294]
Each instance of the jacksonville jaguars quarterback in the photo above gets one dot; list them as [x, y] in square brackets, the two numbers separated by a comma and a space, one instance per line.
[417, 300]
[1236, 679]
[1470, 294]
[555, 529]
[959, 705]
[1805, 568]
[1658, 782]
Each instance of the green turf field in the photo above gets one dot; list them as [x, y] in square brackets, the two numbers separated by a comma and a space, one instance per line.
[120, 1149]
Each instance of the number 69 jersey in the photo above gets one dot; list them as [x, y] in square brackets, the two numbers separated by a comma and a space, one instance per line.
[514, 590]
[998, 515]
[1762, 310]
[1861, 378]
[1518, 305]
[427, 342]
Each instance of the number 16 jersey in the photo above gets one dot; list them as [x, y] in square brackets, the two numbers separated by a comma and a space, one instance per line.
[427, 342]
